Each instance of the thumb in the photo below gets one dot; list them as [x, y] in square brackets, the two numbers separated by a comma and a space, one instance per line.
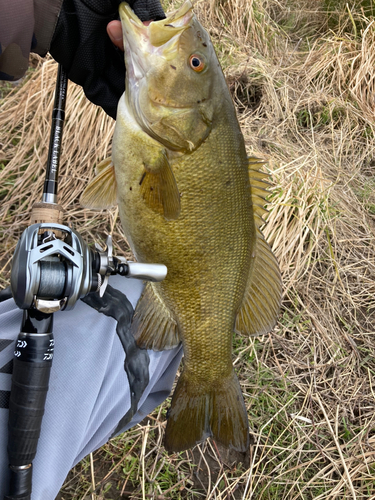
[114, 31]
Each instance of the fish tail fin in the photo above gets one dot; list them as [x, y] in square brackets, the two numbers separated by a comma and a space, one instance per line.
[197, 414]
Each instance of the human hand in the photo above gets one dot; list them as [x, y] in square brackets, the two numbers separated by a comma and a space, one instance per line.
[86, 43]
[114, 30]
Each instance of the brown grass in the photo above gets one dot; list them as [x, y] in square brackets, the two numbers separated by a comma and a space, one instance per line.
[306, 104]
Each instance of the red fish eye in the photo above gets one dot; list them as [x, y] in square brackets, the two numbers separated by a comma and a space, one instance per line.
[197, 63]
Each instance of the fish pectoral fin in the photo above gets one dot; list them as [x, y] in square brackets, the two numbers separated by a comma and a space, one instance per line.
[153, 325]
[159, 188]
[261, 303]
[101, 191]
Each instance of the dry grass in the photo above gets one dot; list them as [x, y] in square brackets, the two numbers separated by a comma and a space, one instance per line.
[307, 106]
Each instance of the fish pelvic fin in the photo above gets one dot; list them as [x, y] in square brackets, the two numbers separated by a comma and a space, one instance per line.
[101, 192]
[153, 325]
[261, 303]
[197, 414]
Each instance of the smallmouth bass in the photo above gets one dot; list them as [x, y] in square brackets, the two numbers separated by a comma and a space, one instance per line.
[190, 198]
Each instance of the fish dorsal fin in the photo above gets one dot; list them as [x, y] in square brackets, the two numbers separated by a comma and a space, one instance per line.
[261, 302]
[101, 191]
[153, 325]
[259, 188]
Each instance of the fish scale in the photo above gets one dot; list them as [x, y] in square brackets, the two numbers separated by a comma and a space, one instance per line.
[186, 199]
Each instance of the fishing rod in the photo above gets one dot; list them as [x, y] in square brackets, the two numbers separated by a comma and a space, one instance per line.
[52, 268]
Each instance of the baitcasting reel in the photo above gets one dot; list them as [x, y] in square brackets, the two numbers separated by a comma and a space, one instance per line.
[53, 268]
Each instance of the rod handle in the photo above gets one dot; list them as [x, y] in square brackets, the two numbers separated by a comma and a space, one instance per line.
[30, 379]
[20, 483]
[31, 371]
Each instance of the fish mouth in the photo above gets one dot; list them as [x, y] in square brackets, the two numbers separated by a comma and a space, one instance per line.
[159, 37]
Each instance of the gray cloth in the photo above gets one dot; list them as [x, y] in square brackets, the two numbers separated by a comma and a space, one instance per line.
[25, 25]
[89, 390]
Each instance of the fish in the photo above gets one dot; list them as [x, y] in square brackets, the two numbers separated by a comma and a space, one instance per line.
[189, 197]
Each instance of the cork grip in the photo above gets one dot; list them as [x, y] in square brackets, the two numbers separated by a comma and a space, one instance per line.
[46, 212]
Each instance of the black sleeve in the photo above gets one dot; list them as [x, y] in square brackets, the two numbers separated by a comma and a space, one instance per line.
[81, 45]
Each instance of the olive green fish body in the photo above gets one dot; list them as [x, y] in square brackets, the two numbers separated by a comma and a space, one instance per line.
[207, 249]
[187, 199]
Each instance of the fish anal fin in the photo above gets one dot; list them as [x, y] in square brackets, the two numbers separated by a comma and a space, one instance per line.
[197, 414]
[159, 188]
[153, 325]
[261, 303]
[101, 192]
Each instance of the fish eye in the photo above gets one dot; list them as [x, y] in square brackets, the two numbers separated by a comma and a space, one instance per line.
[197, 63]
